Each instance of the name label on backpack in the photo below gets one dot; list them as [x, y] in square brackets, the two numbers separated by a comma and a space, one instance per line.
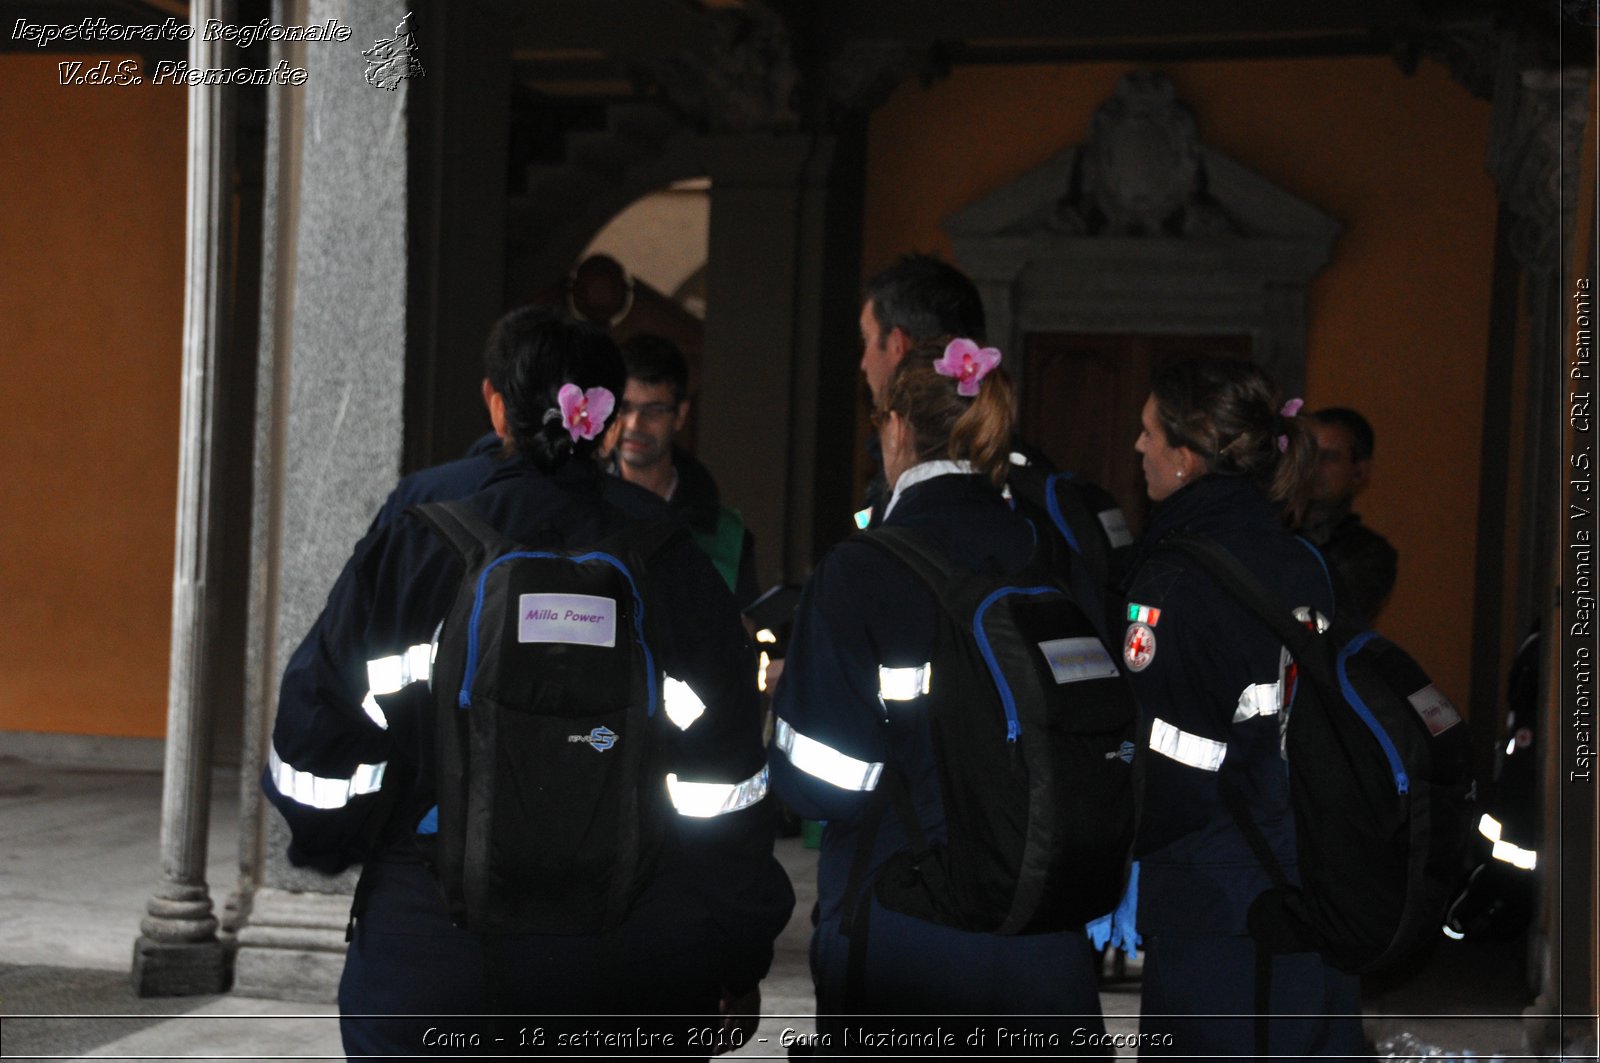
[582, 619]
[1074, 660]
[1435, 710]
[1116, 526]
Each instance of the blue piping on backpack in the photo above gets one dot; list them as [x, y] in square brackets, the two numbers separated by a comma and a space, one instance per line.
[429, 823]
[1007, 701]
[1333, 595]
[464, 700]
[1054, 509]
[1402, 782]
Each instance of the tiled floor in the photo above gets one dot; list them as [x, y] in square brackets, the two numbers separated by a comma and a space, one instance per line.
[79, 858]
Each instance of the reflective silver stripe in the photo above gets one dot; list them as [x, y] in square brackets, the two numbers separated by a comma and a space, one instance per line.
[825, 762]
[682, 704]
[1525, 859]
[388, 675]
[904, 684]
[316, 792]
[1260, 699]
[702, 800]
[1185, 748]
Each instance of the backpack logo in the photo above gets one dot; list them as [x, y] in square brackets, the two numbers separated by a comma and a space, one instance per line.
[1123, 753]
[1139, 646]
[600, 739]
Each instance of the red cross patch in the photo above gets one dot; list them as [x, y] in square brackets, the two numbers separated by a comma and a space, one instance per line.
[1138, 647]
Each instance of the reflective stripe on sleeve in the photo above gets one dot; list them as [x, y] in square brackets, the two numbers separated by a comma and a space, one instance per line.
[1185, 748]
[304, 788]
[825, 762]
[389, 675]
[702, 800]
[904, 684]
[1260, 699]
[682, 704]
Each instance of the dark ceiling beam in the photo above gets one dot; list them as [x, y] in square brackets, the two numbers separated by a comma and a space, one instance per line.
[618, 26]
[1166, 49]
[1016, 21]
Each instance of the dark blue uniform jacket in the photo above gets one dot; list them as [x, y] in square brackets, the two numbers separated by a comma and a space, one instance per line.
[1211, 695]
[352, 789]
[863, 610]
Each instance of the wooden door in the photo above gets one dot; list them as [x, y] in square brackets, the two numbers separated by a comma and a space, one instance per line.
[1082, 394]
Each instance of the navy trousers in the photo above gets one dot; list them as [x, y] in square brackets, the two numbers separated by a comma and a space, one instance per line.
[415, 985]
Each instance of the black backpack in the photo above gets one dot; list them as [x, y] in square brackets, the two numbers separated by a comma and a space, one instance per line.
[551, 803]
[1379, 782]
[1090, 549]
[1033, 730]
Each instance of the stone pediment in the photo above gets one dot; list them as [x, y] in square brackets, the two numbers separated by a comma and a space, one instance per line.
[1143, 173]
[1142, 228]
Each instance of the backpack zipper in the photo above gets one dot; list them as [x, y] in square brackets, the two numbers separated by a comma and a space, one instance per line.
[1402, 782]
[1007, 701]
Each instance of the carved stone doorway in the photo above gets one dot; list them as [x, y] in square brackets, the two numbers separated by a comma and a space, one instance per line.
[1135, 246]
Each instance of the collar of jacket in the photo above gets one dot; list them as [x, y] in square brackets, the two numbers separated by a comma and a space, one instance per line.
[697, 499]
[577, 474]
[1324, 525]
[1209, 507]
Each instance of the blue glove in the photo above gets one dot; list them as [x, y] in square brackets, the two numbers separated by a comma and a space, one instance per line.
[1119, 928]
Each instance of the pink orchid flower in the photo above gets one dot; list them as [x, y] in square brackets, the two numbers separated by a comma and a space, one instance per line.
[584, 413]
[968, 363]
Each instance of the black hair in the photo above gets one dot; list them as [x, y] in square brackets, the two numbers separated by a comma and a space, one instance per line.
[1228, 412]
[532, 352]
[653, 359]
[925, 297]
[1362, 441]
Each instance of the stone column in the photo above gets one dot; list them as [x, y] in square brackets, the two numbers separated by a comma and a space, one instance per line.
[1535, 137]
[178, 952]
[330, 426]
[779, 368]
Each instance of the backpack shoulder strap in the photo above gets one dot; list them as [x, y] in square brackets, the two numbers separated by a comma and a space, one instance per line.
[1064, 502]
[914, 550]
[458, 524]
[1239, 582]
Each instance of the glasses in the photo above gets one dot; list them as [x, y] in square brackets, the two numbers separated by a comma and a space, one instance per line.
[649, 411]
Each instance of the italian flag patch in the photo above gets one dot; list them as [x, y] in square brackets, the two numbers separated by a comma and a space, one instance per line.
[1143, 614]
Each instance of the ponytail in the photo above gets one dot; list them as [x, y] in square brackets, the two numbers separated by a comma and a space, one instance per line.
[1227, 411]
[531, 355]
[947, 423]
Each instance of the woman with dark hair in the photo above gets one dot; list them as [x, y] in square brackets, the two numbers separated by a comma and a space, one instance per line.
[853, 726]
[1224, 461]
[353, 763]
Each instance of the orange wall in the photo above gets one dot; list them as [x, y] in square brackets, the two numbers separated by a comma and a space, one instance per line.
[1397, 322]
[91, 317]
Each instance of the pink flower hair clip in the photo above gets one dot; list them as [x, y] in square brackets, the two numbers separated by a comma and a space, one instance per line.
[967, 363]
[584, 413]
[1290, 409]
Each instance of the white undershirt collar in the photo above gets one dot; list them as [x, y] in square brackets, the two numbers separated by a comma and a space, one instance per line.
[926, 470]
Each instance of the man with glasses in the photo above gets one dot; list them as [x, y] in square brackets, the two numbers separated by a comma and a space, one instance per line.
[654, 407]
[1362, 560]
